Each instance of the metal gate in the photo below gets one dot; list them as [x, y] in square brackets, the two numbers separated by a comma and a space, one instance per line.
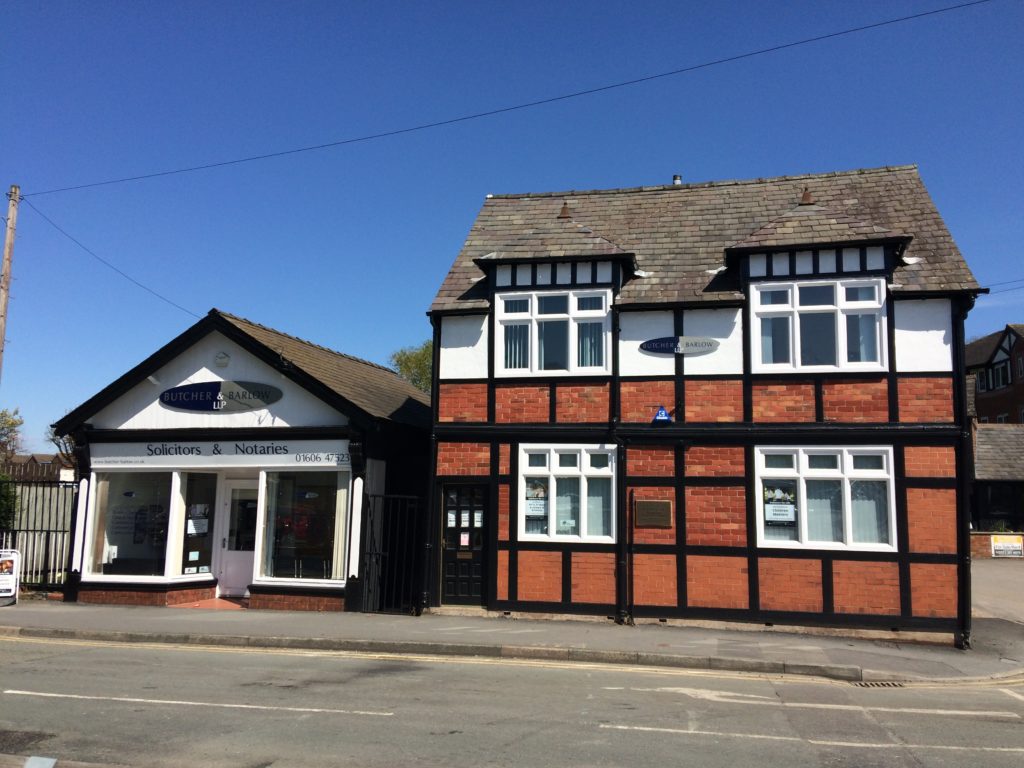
[392, 561]
[36, 521]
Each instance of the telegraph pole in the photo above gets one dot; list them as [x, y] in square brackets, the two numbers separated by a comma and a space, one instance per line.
[5, 273]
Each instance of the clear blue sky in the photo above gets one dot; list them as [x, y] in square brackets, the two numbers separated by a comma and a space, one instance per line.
[346, 246]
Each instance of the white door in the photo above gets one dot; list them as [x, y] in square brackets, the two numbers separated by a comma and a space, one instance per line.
[237, 534]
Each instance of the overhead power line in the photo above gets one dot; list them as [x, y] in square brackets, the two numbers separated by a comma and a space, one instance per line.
[517, 107]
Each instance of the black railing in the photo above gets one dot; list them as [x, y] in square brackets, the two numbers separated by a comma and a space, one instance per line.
[39, 528]
[392, 538]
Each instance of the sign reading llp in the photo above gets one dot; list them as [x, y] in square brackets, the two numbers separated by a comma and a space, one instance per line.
[220, 396]
[680, 345]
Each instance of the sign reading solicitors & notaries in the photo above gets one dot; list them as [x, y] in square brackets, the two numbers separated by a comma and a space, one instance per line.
[220, 396]
[680, 345]
[222, 453]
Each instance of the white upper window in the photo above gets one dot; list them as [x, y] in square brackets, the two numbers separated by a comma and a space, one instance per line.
[557, 332]
[819, 325]
[567, 493]
[826, 498]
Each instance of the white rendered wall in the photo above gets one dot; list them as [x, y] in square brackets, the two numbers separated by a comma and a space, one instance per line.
[463, 347]
[924, 335]
[724, 325]
[636, 328]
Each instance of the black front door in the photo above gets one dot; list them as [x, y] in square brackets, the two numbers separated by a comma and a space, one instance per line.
[464, 517]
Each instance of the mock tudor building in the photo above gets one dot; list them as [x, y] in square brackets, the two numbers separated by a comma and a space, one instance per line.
[995, 365]
[734, 400]
[235, 462]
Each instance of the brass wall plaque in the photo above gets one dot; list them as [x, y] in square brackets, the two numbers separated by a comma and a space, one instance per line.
[653, 514]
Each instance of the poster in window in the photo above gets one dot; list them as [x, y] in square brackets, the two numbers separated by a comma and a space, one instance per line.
[451, 519]
[780, 503]
[465, 519]
[536, 497]
[478, 519]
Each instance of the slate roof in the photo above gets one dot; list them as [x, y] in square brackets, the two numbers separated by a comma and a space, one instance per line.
[809, 223]
[680, 233]
[998, 449]
[979, 351]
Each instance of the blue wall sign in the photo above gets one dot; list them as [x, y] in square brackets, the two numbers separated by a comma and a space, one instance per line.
[662, 416]
[220, 396]
[680, 345]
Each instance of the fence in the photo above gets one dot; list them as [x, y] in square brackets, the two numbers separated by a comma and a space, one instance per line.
[41, 528]
[392, 554]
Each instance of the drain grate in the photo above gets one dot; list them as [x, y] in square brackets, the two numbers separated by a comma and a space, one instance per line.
[879, 685]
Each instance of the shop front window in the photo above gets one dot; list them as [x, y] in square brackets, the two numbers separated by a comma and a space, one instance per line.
[304, 531]
[200, 499]
[567, 493]
[130, 534]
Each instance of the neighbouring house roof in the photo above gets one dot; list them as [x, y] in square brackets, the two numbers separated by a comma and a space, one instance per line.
[679, 234]
[358, 388]
[980, 351]
[997, 452]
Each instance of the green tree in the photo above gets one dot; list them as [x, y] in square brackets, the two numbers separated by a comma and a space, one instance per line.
[414, 364]
[10, 433]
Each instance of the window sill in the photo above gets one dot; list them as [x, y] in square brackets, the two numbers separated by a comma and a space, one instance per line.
[310, 583]
[99, 578]
[824, 545]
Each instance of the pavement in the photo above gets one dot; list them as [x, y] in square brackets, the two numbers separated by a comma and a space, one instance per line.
[859, 656]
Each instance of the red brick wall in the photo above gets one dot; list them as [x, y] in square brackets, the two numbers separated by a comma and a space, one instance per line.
[504, 460]
[933, 590]
[579, 403]
[716, 400]
[717, 582]
[521, 405]
[297, 602]
[928, 461]
[716, 516]
[504, 511]
[652, 535]
[650, 462]
[788, 401]
[462, 402]
[593, 577]
[639, 400]
[931, 519]
[540, 576]
[715, 462]
[789, 584]
[654, 580]
[115, 596]
[463, 459]
[863, 587]
[502, 574]
[855, 400]
[926, 399]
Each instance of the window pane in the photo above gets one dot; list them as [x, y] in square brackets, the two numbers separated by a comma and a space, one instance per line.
[513, 306]
[870, 461]
[870, 511]
[861, 293]
[517, 346]
[568, 460]
[774, 339]
[822, 461]
[536, 505]
[862, 338]
[553, 344]
[567, 506]
[599, 460]
[825, 510]
[537, 459]
[553, 305]
[780, 510]
[817, 338]
[590, 303]
[817, 295]
[131, 523]
[302, 519]
[774, 297]
[590, 344]
[200, 497]
[778, 460]
[599, 506]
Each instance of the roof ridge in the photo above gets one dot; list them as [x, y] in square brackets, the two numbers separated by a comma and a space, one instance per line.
[306, 341]
[709, 184]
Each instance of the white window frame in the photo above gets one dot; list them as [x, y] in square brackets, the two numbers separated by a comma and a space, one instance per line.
[842, 309]
[1020, 366]
[845, 472]
[1003, 418]
[532, 318]
[997, 381]
[551, 472]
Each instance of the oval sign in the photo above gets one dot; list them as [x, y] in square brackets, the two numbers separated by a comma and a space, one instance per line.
[680, 345]
[220, 396]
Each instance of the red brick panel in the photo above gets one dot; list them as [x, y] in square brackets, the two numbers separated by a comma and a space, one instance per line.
[582, 403]
[297, 602]
[639, 400]
[654, 580]
[716, 517]
[504, 511]
[781, 402]
[715, 400]
[714, 461]
[462, 402]
[717, 582]
[788, 584]
[463, 459]
[502, 574]
[926, 399]
[504, 460]
[521, 405]
[933, 590]
[115, 596]
[593, 577]
[927, 461]
[855, 400]
[540, 576]
[863, 587]
[650, 462]
[653, 535]
[931, 519]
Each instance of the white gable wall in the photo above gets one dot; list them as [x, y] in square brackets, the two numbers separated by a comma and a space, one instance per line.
[463, 347]
[725, 325]
[924, 335]
[140, 408]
